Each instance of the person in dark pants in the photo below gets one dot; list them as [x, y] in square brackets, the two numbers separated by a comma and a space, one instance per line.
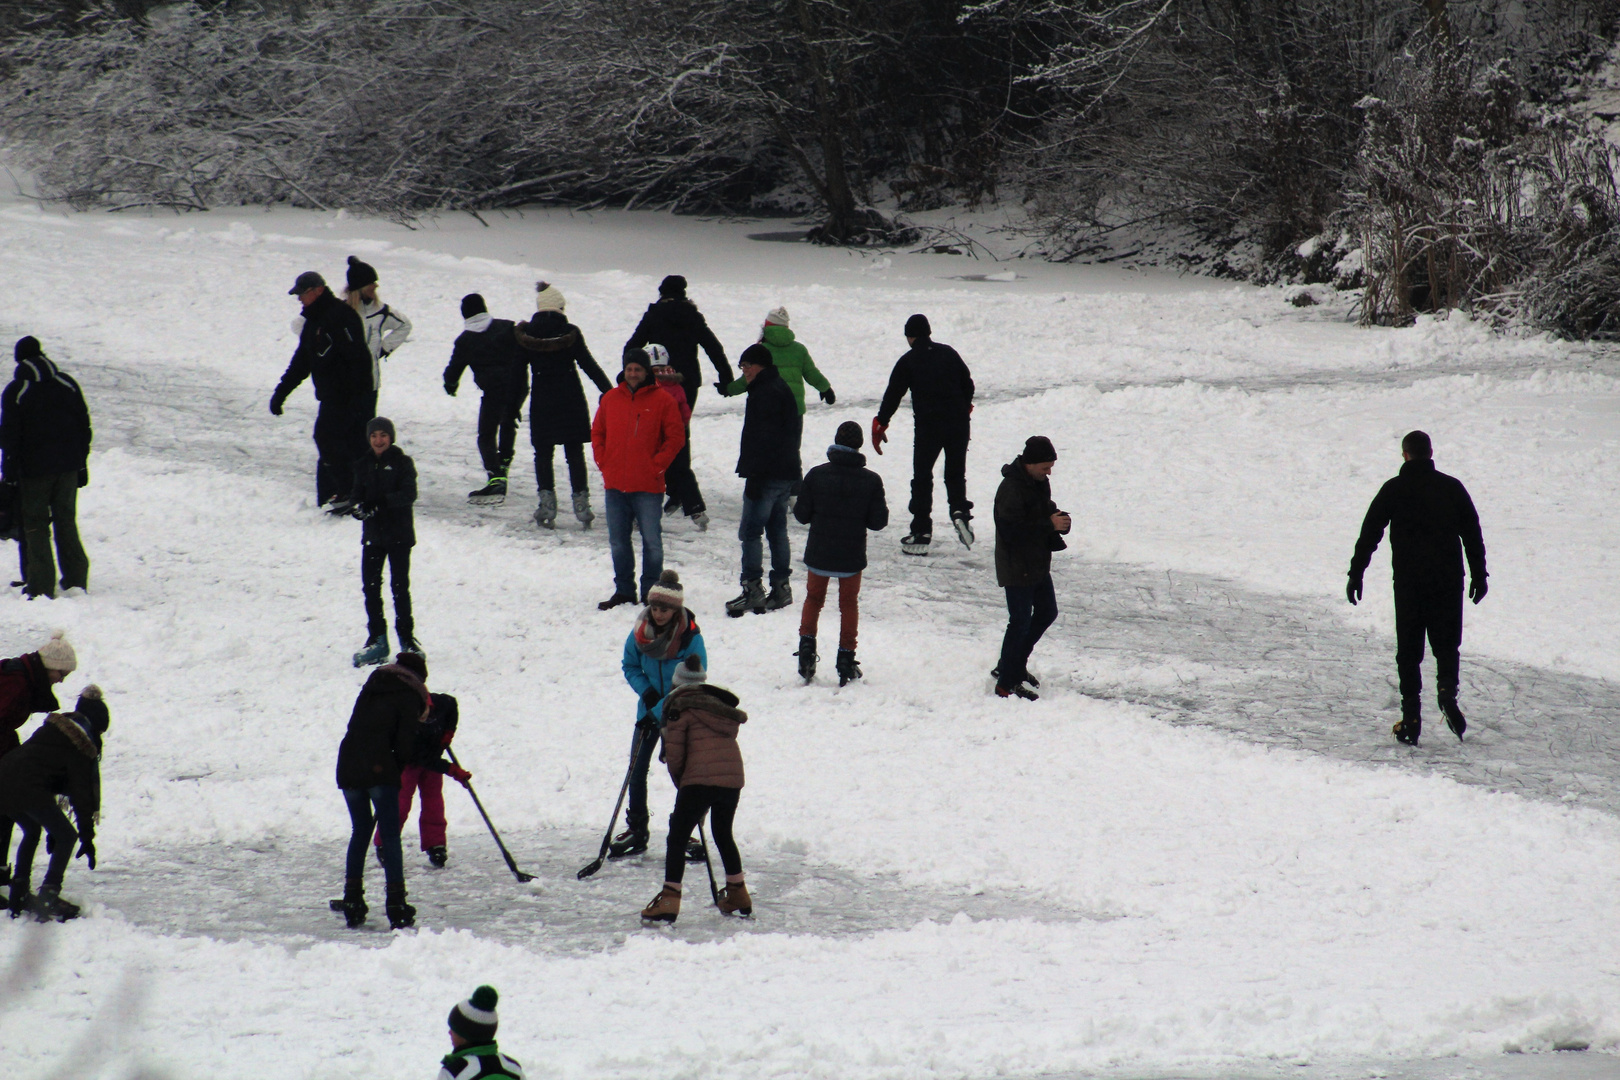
[384, 492]
[700, 748]
[768, 462]
[62, 758]
[675, 323]
[665, 634]
[941, 391]
[487, 346]
[1432, 523]
[840, 501]
[556, 353]
[684, 492]
[332, 354]
[1029, 527]
[381, 739]
[25, 689]
[45, 447]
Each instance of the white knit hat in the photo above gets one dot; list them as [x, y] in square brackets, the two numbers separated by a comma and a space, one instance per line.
[57, 654]
[548, 297]
[778, 317]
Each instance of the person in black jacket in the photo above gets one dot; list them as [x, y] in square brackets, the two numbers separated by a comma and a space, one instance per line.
[675, 323]
[25, 689]
[557, 352]
[62, 758]
[384, 492]
[1432, 523]
[1029, 527]
[941, 391]
[500, 370]
[332, 354]
[840, 501]
[769, 464]
[384, 725]
[45, 447]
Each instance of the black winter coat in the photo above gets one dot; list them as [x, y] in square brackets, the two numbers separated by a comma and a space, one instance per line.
[677, 325]
[840, 501]
[940, 384]
[331, 353]
[498, 365]
[1025, 538]
[62, 758]
[1431, 523]
[44, 423]
[383, 729]
[386, 482]
[554, 348]
[770, 432]
[435, 733]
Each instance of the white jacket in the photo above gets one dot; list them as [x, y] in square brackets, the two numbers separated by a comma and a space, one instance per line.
[386, 330]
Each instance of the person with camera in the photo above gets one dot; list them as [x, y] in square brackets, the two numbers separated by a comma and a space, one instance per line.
[1029, 527]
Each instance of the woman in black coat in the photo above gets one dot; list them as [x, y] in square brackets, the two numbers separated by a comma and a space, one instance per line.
[557, 412]
[381, 740]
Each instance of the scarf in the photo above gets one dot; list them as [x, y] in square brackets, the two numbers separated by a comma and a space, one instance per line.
[478, 323]
[662, 644]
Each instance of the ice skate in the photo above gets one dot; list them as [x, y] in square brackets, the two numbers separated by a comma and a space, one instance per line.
[964, 530]
[353, 904]
[664, 907]
[375, 652]
[582, 509]
[438, 856]
[916, 543]
[545, 515]
[491, 494]
[734, 900]
[629, 842]
[400, 914]
[49, 906]
[781, 595]
[752, 599]
[848, 669]
[1454, 716]
[807, 657]
[1020, 691]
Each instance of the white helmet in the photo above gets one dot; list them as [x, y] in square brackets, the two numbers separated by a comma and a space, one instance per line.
[657, 355]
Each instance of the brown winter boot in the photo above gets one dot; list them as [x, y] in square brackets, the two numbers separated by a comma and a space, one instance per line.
[664, 907]
[734, 898]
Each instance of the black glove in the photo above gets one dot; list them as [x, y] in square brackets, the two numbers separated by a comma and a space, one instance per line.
[829, 397]
[1477, 589]
[650, 698]
[720, 388]
[363, 511]
[1352, 591]
[450, 388]
[87, 851]
[84, 476]
[276, 401]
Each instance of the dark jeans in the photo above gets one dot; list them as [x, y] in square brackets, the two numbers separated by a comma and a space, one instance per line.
[766, 515]
[374, 808]
[695, 800]
[924, 452]
[46, 817]
[497, 430]
[1031, 609]
[398, 557]
[1434, 612]
[50, 505]
[646, 510]
[545, 479]
[681, 482]
[635, 816]
[340, 441]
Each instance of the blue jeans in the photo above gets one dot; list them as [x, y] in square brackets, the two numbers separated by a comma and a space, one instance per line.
[374, 808]
[635, 815]
[646, 510]
[1030, 610]
[766, 515]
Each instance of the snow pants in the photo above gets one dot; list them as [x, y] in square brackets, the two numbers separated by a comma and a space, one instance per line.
[430, 823]
[32, 819]
[1433, 611]
[849, 612]
[925, 450]
[646, 746]
[545, 479]
[497, 430]
[693, 801]
[50, 507]
[340, 441]
[1031, 610]
[374, 808]
[398, 557]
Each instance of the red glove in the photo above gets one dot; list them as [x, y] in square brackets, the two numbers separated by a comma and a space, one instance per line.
[880, 433]
[458, 774]
[444, 740]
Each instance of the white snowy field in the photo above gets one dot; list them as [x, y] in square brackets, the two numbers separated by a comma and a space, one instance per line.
[1213, 904]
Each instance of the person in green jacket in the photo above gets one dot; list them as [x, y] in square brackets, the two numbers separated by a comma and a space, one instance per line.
[792, 359]
[472, 1034]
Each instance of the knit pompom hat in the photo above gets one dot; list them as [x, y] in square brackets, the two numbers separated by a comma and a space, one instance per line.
[360, 274]
[475, 1019]
[58, 655]
[547, 297]
[93, 708]
[669, 590]
[778, 317]
[690, 673]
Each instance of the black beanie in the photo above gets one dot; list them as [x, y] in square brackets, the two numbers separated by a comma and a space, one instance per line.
[849, 434]
[1037, 449]
[672, 287]
[382, 423]
[637, 356]
[94, 709]
[413, 662]
[472, 304]
[917, 327]
[756, 354]
[27, 348]
[475, 1019]
[360, 274]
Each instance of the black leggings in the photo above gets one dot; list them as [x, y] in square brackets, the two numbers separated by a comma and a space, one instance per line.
[545, 479]
[695, 800]
[43, 817]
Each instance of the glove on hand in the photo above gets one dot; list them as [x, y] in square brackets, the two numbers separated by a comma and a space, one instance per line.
[458, 774]
[450, 388]
[364, 511]
[87, 851]
[84, 477]
[880, 433]
[829, 397]
[650, 698]
[1352, 590]
[1477, 589]
[720, 388]
[276, 401]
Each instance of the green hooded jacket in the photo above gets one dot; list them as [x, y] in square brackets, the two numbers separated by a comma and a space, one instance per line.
[792, 362]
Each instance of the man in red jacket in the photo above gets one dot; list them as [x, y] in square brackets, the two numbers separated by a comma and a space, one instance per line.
[635, 436]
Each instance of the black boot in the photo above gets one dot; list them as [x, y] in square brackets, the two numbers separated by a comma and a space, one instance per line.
[438, 856]
[848, 669]
[1453, 715]
[807, 657]
[752, 598]
[400, 914]
[49, 905]
[354, 902]
[20, 898]
[1411, 725]
[630, 842]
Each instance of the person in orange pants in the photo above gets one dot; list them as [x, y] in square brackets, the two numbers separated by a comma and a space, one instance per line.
[840, 501]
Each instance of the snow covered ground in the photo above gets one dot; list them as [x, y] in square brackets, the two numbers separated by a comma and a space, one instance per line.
[1198, 854]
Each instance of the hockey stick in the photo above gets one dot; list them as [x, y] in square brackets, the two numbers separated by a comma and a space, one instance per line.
[714, 891]
[607, 838]
[511, 864]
